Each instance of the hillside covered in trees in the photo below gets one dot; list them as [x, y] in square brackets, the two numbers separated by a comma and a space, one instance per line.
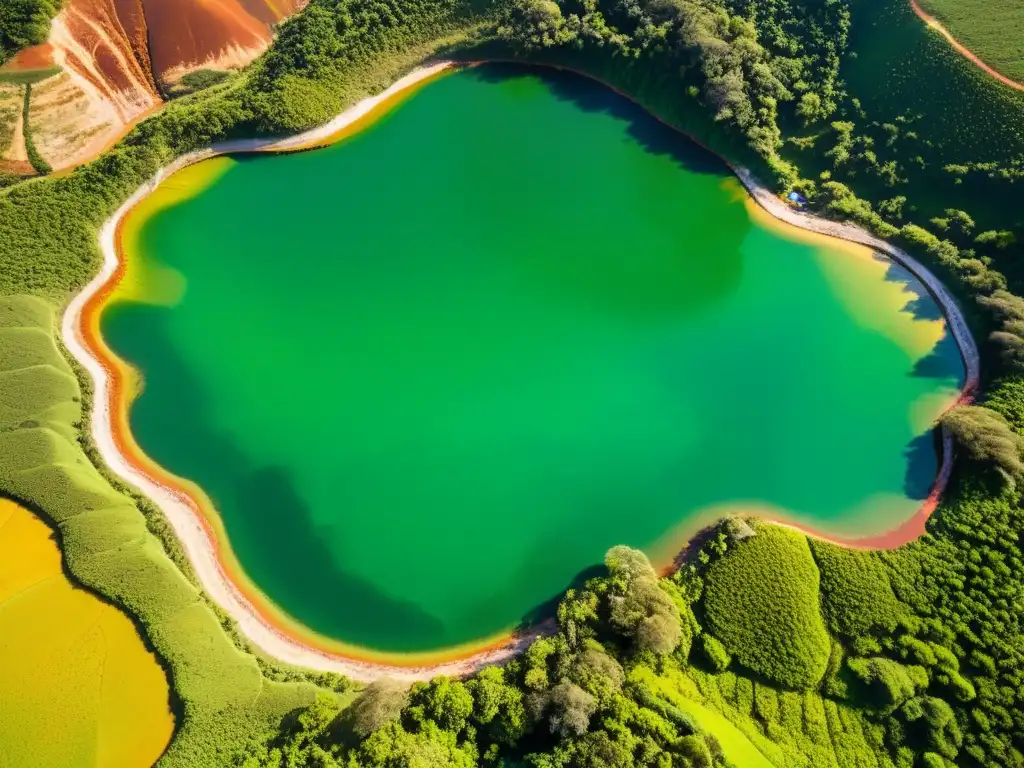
[765, 645]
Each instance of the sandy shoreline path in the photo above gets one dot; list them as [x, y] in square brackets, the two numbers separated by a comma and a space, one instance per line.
[183, 512]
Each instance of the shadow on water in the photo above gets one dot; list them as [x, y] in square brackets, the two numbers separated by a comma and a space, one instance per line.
[591, 96]
[270, 526]
[549, 608]
[922, 305]
[920, 456]
[943, 362]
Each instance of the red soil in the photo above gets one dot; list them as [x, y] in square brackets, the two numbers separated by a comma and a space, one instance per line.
[197, 32]
[36, 57]
[934, 23]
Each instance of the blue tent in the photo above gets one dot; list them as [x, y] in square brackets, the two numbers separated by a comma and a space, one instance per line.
[797, 198]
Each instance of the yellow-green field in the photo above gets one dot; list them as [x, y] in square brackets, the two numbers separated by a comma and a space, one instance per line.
[78, 686]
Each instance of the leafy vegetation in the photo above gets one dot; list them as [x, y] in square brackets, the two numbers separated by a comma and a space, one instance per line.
[990, 29]
[24, 23]
[37, 160]
[762, 603]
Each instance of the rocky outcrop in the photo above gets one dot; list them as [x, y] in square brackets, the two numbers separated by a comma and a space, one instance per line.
[119, 57]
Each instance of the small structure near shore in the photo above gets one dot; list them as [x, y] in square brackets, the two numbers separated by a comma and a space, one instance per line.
[796, 200]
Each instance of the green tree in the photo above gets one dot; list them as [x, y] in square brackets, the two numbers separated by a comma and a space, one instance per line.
[571, 709]
[380, 703]
[986, 437]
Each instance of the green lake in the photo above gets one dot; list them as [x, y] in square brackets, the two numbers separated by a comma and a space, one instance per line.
[430, 374]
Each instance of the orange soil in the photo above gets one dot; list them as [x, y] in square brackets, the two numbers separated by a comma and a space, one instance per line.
[966, 52]
[36, 57]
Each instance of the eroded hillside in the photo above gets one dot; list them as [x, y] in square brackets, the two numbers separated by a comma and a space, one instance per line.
[107, 62]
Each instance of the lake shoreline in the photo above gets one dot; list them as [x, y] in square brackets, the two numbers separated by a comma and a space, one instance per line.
[196, 524]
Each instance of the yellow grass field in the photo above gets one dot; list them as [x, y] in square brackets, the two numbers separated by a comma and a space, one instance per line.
[77, 685]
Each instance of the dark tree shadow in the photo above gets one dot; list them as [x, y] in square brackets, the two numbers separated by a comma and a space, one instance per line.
[920, 459]
[591, 96]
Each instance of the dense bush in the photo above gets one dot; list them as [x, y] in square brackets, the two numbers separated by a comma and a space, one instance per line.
[856, 596]
[987, 437]
[761, 601]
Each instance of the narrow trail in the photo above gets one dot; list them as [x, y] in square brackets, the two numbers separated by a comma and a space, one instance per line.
[186, 515]
[966, 52]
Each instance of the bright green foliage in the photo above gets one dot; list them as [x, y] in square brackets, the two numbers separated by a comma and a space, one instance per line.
[714, 653]
[762, 602]
[497, 707]
[430, 747]
[445, 701]
[38, 161]
[641, 607]
[856, 597]
[889, 683]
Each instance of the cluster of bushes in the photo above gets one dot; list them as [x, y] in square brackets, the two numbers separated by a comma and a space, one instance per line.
[761, 602]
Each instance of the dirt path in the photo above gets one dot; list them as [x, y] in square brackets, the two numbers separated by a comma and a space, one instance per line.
[15, 160]
[966, 52]
[187, 519]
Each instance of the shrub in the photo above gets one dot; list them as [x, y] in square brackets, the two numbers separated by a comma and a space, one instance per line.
[380, 703]
[762, 602]
[888, 682]
[987, 437]
[856, 595]
[714, 653]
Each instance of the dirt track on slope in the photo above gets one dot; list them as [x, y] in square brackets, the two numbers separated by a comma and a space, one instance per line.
[966, 52]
